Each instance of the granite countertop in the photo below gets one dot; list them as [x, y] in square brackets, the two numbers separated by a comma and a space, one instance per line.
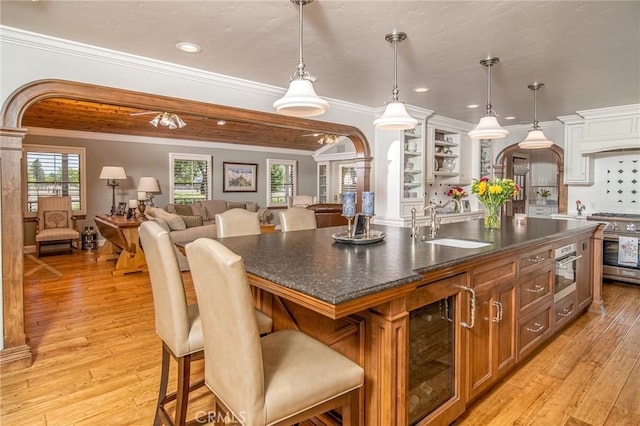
[310, 262]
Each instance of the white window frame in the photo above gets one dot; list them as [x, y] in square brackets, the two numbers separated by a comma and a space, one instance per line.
[173, 156]
[291, 163]
[55, 149]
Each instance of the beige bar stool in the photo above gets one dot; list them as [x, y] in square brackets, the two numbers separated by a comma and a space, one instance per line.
[297, 219]
[237, 223]
[280, 379]
[177, 323]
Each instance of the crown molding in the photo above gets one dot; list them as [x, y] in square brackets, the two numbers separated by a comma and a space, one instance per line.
[615, 111]
[76, 134]
[47, 43]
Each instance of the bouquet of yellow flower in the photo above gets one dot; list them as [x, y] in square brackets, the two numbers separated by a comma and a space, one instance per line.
[456, 192]
[493, 193]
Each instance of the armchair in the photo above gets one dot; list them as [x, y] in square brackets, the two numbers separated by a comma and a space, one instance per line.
[55, 223]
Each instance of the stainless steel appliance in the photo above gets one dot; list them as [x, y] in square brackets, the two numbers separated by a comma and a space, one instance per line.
[565, 276]
[619, 225]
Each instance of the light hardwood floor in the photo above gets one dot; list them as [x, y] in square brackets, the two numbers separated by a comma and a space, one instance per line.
[97, 358]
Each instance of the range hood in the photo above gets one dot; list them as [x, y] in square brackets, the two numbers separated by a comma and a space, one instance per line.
[607, 129]
[610, 129]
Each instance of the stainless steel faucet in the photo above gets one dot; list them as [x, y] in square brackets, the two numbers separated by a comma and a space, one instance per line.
[435, 220]
[415, 229]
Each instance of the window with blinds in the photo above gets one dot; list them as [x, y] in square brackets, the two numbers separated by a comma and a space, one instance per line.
[53, 171]
[190, 178]
[348, 179]
[281, 181]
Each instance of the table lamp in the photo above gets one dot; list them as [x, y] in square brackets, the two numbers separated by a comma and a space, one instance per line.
[148, 185]
[112, 174]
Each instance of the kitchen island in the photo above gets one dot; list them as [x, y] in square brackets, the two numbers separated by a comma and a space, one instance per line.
[434, 326]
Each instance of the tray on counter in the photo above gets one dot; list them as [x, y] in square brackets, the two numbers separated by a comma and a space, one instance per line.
[345, 238]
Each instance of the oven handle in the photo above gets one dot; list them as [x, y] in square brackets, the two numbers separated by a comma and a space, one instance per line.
[568, 260]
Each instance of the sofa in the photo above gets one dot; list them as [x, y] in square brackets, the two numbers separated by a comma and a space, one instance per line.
[188, 222]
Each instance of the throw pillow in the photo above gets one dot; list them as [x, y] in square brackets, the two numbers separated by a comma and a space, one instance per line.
[214, 207]
[55, 219]
[231, 205]
[183, 209]
[252, 206]
[191, 221]
[197, 209]
[174, 221]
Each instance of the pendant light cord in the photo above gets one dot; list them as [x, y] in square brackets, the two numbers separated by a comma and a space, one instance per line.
[489, 106]
[396, 92]
[300, 72]
[535, 109]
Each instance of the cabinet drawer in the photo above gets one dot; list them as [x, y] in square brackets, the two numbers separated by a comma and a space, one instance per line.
[534, 287]
[564, 310]
[533, 329]
[538, 258]
[494, 272]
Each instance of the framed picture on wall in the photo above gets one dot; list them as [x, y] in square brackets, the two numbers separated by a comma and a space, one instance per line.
[239, 177]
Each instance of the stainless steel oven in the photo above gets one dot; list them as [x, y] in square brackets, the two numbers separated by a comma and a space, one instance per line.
[565, 275]
[621, 247]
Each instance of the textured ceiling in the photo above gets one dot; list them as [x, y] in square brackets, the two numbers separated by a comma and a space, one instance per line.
[586, 53]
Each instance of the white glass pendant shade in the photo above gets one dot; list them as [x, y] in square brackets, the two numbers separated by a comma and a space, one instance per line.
[301, 100]
[395, 117]
[488, 128]
[535, 140]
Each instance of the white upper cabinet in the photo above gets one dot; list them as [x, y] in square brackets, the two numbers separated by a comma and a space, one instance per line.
[607, 129]
[578, 168]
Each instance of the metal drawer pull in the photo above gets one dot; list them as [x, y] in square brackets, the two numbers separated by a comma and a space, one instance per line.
[537, 330]
[536, 289]
[536, 259]
[569, 260]
[472, 308]
[565, 312]
[499, 311]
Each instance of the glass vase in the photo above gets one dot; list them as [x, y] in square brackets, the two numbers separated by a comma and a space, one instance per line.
[492, 217]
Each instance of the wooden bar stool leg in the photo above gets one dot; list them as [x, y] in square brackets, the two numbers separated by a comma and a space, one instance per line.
[164, 380]
[182, 396]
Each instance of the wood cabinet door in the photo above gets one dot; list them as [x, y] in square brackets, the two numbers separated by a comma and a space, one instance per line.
[479, 344]
[504, 321]
[491, 342]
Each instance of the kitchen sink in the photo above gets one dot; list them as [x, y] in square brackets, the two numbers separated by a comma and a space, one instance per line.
[455, 242]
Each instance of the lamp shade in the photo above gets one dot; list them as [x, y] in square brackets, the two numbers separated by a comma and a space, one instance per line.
[148, 184]
[395, 117]
[535, 140]
[112, 172]
[301, 100]
[488, 128]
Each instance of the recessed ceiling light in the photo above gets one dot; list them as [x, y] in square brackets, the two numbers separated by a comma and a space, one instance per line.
[471, 106]
[511, 117]
[421, 89]
[221, 122]
[189, 47]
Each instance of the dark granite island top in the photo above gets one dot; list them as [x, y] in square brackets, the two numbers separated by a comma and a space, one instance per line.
[334, 274]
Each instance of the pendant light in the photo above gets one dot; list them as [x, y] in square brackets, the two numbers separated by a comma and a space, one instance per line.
[488, 127]
[395, 116]
[301, 100]
[535, 138]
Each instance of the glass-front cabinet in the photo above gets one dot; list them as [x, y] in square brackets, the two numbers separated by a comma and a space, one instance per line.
[413, 164]
[436, 348]
[323, 182]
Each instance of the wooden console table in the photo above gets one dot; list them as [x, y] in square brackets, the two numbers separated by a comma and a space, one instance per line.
[122, 244]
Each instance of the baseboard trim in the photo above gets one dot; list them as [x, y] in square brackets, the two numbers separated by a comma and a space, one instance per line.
[15, 358]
